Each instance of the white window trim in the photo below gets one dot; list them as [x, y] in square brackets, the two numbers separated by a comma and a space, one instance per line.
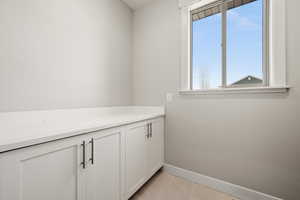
[277, 50]
[244, 90]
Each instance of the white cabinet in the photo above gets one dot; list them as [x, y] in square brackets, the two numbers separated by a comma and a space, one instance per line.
[155, 146]
[47, 171]
[136, 153]
[144, 153]
[110, 164]
[79, 168]
[103, 174]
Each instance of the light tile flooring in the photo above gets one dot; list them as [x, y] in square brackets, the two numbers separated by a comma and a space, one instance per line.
[164, 186]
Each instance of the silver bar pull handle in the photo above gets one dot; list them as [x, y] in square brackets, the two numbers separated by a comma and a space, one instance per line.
[151, 130]
[148, 131]
[92, 151]
[83, 163]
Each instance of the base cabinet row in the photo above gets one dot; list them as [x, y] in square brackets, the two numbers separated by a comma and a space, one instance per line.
[144, 153]
[106, 165]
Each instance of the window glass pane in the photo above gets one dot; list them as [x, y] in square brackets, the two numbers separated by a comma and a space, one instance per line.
[245, 44]
[207, 53]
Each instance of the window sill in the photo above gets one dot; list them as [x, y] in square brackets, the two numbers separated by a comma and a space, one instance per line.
[248, 90]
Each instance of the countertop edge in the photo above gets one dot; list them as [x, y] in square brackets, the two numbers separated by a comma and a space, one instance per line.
[72, 133]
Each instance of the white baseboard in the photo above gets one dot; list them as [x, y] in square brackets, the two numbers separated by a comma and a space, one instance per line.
[222, 186]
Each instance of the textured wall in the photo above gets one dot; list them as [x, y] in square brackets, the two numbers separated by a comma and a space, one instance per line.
[155, 52]
[64, 54]
[249, 140]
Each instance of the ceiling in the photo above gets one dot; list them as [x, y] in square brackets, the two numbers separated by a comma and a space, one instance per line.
[136, 4]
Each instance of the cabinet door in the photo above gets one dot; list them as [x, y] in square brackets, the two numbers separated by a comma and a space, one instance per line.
[135, 158]
[155, 145]
[47, 171]
[103, 175]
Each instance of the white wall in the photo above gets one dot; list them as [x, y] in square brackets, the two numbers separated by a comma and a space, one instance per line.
[249, 140]
[64, 54]
[155, 52]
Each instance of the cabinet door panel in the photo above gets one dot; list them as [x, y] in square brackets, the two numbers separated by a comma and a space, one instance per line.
[155, 147]
[50, 176]
[135, 158]
[48, 171]
[103, 182]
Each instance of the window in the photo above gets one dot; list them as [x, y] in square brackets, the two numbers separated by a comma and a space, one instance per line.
[233, 46]
[206, 49]
[229, 44]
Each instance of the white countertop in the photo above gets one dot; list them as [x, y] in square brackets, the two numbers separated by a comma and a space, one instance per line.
[21, 129]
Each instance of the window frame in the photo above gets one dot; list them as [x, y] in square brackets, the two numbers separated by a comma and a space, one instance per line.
[224, 10]
[277, 74]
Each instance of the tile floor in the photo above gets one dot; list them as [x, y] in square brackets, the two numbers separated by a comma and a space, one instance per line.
[164, 186]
